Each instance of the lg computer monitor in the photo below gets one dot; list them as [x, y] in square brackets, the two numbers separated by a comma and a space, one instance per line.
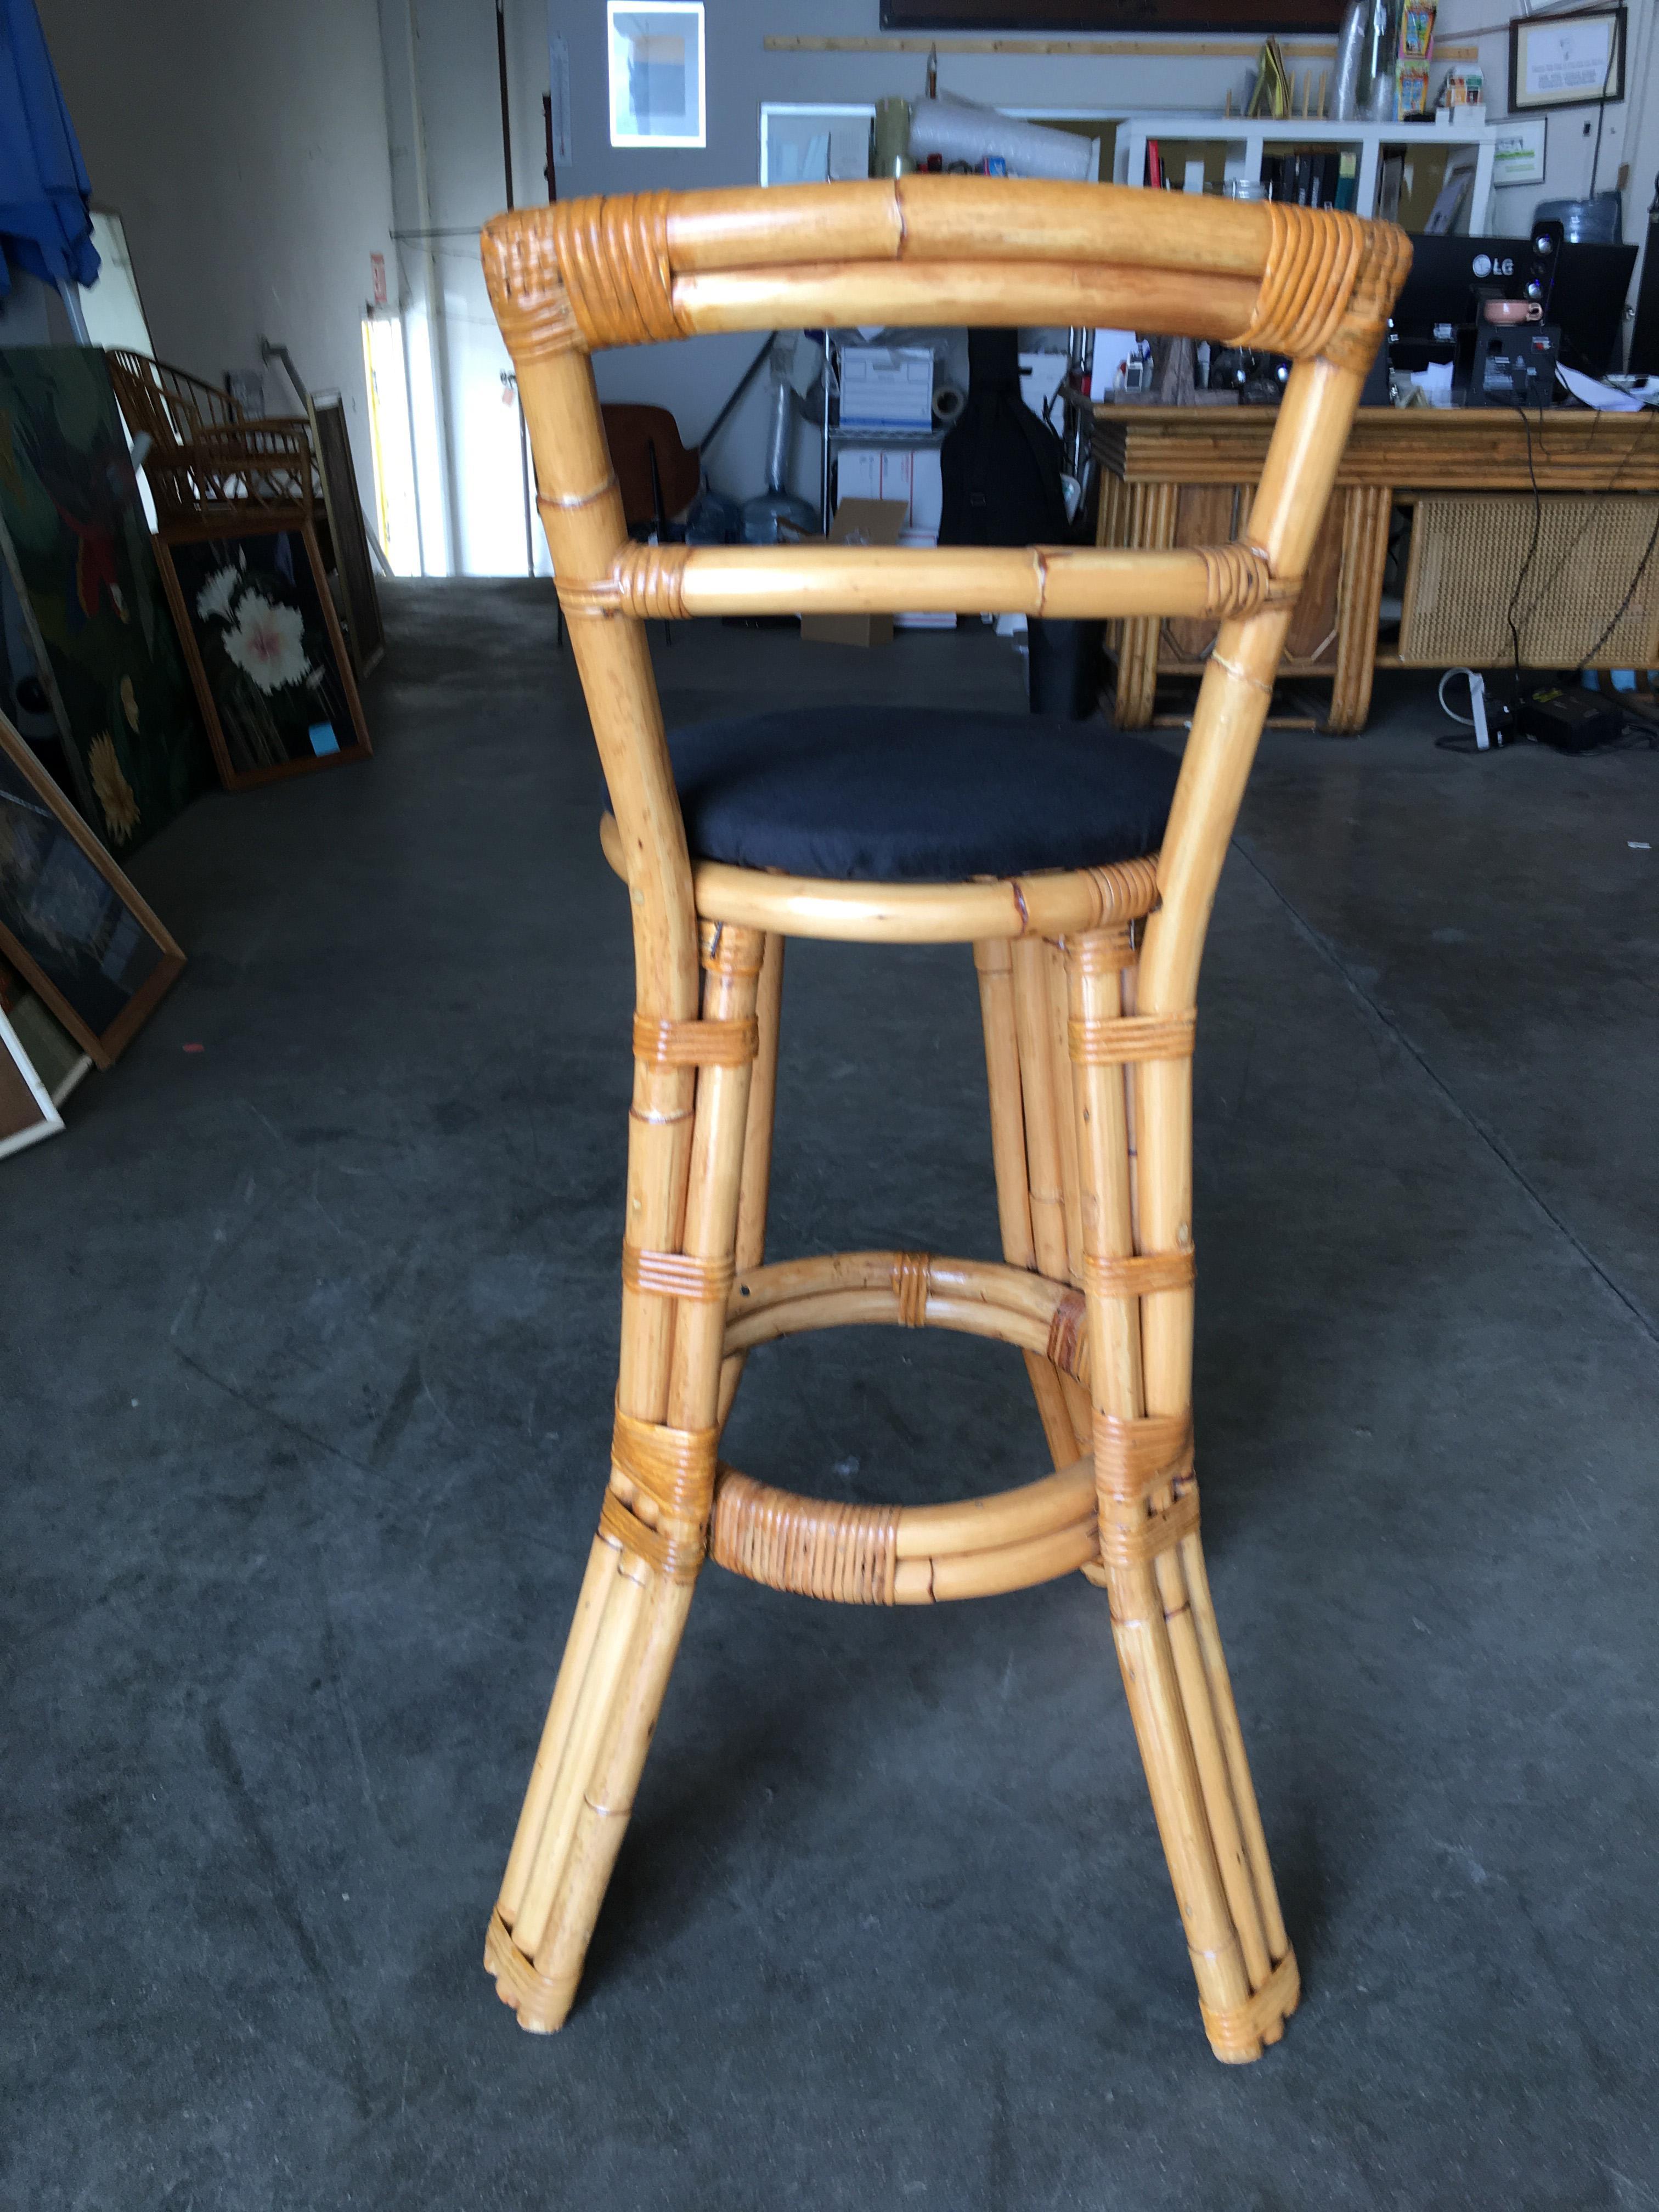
[1581, 289]
[1438, 293]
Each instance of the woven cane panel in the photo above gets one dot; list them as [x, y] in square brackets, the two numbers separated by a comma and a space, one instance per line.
[1466, 553]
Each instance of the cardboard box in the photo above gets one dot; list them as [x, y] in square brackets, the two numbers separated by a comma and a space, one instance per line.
[910, 473]
[858, 522]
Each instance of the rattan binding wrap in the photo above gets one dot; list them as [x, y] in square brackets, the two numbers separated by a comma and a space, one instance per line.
[541, 2001]
[1134, 1460]
[614, 256]
[679, 1557]
[1134, 1457]
[1137, 1274]
[694, 1044]
[675, 1468]
[910, 1279]
[1126, 891]
[677, 1275]
[845, 1553]
[1237, 2032]
[1309, 280]
[1239, 580]
[646, 581]
[1130, 1038]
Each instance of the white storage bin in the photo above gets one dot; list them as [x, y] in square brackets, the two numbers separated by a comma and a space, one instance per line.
[886, 387]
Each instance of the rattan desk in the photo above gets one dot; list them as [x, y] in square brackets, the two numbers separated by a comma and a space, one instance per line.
[1173, 475]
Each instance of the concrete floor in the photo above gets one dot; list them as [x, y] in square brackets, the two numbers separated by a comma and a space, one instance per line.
[305, 1352]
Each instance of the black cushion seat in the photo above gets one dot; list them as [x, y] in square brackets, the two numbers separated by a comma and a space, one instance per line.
[899, 795]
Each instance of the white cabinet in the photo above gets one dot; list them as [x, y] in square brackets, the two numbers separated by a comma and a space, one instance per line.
[1249, 140]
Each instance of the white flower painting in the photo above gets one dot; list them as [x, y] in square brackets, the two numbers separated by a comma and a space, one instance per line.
[213, 600]
[268, 642]
[268, 660]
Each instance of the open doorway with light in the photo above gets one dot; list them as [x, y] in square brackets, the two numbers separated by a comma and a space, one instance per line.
[396, 497]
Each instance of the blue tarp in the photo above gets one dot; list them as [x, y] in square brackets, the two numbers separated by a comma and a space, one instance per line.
[44, 223]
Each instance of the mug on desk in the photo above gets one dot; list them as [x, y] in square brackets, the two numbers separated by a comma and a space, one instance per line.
[1513, 310]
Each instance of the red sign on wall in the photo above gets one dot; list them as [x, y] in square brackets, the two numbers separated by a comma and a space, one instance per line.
[377, 278]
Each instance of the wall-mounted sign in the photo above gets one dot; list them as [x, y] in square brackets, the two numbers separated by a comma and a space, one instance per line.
[1567, 61]
[1517, 150]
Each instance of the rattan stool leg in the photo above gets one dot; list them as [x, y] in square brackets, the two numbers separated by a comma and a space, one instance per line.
[1152, 1567]
[757, 1144]
[637, 1589]
[994, 959]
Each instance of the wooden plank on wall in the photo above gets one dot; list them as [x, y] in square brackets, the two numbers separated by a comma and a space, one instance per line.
[1218, 49]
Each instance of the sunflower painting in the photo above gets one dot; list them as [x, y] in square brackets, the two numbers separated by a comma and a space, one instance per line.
[73, 531]
[271, 672]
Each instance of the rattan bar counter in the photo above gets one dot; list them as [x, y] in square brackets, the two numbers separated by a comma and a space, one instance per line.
[1174, 477]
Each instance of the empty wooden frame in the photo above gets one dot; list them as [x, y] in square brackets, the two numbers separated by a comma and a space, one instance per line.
[1087, 983]
[27, 1111]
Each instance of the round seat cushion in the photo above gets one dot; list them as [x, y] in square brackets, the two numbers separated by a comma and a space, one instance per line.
[891, 794]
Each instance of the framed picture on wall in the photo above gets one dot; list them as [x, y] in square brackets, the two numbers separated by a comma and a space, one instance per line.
[265, 646]
[1567, 61]
[70, 923]
[656, 73]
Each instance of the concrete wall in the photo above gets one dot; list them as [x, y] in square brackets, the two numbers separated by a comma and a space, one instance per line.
[245, 149]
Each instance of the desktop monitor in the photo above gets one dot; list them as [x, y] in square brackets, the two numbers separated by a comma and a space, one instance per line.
[1581, 289]
[1588, 303]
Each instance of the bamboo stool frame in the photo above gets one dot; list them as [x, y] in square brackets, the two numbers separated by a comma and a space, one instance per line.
[1087, 983]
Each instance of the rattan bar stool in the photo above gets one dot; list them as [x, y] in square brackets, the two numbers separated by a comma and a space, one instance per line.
[1088, 967]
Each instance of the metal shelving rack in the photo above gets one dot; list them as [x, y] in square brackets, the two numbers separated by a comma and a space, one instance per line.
[835, 434]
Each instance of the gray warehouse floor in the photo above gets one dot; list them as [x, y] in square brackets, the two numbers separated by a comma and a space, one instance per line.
[306, 1357]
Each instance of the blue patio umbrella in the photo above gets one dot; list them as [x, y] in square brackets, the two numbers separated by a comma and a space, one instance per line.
[45, 225]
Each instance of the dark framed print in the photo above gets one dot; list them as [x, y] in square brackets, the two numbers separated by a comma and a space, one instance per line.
[70, 923]
[1101, 18]
[263, 643]
[1567, 61]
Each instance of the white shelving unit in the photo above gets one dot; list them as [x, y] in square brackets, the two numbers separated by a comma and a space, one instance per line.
[1247, 140]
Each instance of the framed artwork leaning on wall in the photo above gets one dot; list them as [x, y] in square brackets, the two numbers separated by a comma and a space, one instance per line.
[74, 535]
[265, 646]
[70, 923]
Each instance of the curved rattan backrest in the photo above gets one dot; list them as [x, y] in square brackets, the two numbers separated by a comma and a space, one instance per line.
[568, 280]
[168, 404]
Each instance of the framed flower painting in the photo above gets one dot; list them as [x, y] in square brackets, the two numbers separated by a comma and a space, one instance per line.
[70, 923]
[74, 535]
[265, 650]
